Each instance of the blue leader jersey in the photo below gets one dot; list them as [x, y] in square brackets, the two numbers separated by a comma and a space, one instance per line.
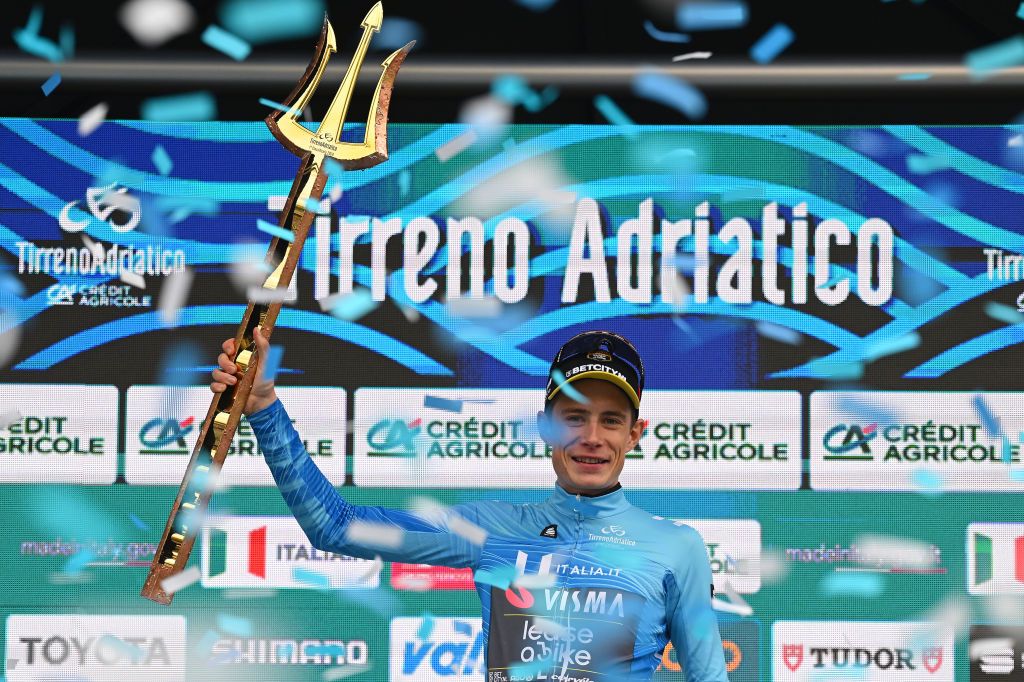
[600, 586]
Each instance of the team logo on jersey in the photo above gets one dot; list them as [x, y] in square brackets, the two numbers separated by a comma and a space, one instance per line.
[550, 531]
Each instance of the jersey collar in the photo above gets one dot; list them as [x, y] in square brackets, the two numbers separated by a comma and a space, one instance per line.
[608, 504]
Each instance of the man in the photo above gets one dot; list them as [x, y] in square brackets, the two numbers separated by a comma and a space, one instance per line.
[578, 588]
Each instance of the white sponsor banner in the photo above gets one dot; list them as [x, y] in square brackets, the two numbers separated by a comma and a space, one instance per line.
[450, 438]
[273, 551]
[995, 558]
[163, 423]
[58, 433]
[718, 440]
[867, 651]
[52, 647]
[734, 551]
[915, 441]
[441, 650]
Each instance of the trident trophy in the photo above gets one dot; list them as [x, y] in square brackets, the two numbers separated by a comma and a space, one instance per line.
[282, 257]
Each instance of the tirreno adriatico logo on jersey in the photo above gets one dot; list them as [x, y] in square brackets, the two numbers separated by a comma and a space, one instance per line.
[612, 533]
[456, 438]
[929, 441]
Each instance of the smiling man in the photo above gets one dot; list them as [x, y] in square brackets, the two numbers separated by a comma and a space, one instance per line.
[578, 588]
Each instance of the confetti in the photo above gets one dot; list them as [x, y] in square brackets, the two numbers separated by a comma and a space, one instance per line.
[879, 349]
[264, 296]
[349, 306]
[880, 550]
[274, 105]
[487, 114]
[27, 38]
[273, 362]
[772, 43]
[691, 55]
[226, 42]
[1004, 54]
[664, 36]
[335, 193]
[1017, 475]
[343, 671]
[275, 230]
[1020, 11]
[404, 181]
[396, 32]
[1015, 141]
[455, 146]
[672, 92]
[1004, 313]
[922, 164]
[779, 333]
[834, 370]
[537, 5]
[913, 76]
[442, 403]
[311, 578]
[132, 652]
[234, 625]
[51, 84]
[263, 21]
[566, 388]
[374, 534]
[411, 314]
[928, 482]
[616, 116]
[177, 583]
[133, 278]
[466, 529]
[705, 15]
[535, 581]
[79, 561]
[852, 583]
[426, 627]
[989, 420]
[162, 160]
[500, 577]
[154, 22]
[374, 571]
[1007, 450]
[189, 106]
[173, 295]
[736, 604]
[487, 307]
[8, 418]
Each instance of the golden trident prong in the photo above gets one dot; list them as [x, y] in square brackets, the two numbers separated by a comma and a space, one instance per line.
[225, 411]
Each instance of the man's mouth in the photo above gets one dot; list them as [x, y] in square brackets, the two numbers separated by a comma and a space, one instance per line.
[589, 460]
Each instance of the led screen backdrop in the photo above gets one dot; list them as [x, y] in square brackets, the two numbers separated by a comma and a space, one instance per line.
[830, 320]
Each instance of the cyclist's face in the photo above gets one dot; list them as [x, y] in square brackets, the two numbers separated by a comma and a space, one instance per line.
[589, 440]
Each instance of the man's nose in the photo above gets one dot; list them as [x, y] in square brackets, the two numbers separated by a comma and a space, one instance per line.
[591, 431]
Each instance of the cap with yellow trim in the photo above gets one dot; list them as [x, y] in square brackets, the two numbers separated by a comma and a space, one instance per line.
[598, 355]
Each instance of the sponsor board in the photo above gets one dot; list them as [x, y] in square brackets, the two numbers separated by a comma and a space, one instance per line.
[890, 440]
[448, 438]
[62, 434]
[846, 556]
[997, 653]
[741, 644]
[452, 651]
[995, 558]
[233, 651]
[734, 551]
[815, 650]
[424, 577]
[273, 551]
[718, 440]
[107, 647]
[163, 422]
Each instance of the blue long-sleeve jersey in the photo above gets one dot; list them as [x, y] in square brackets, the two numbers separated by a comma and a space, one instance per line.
[599, 586]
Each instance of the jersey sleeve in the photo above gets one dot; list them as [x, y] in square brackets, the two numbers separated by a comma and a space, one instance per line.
[693, 626]
[334, 525]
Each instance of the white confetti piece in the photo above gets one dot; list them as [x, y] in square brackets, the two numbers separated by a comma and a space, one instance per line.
[173, 296]
[1016, 141]
[535, 581]
[262, 295]
[736, 604]
[154, 22]
[691, 55]
[550, 627]
[335, 193]
[249, 593]
[92, 119]
[474, 307]
[178, 582]
[374, 534]
[95, 249]
[133, 278]
[894, 552]
[455, 146]
[466, 529]
[411, 314]
[341, 672]
[8, 418]
[375, 568]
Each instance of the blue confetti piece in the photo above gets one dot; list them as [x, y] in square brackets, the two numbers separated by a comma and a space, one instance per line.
[226, 42]
[923, 164]
[242, 627]
[67, 41]
[263, 21]
[139, 523]
[333, 167]
[664, 36]
[927, 481]
[323, 650]
[78, 561]
[709, 15]
[162, 160]
[396, 32]
[508, 144]
[438, 403]
[275, 230]
[273, 362]
[779, 333]
[1020, 437]
[208, 640]
[353, 306]
[615, 115]
[182, 360]
[274, 105]
[565, 387]
[312, 205]
[1020, 11]
[500, 577]
[312, 578]
[913, 76]
[51, 84]
[837, 370]
[189, 106]
[672, 92]
[28, 39]
[1001, 55]
[1017, 475]
[988, 420]
[1007, 450]
[537, 5]
[404, 181]
[426, 627]
[885, 347]
[772, 43]
[849, 583]
[1004, 313]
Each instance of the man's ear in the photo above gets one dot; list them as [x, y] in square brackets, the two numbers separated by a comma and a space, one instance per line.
[637, 430]
[544, 428]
